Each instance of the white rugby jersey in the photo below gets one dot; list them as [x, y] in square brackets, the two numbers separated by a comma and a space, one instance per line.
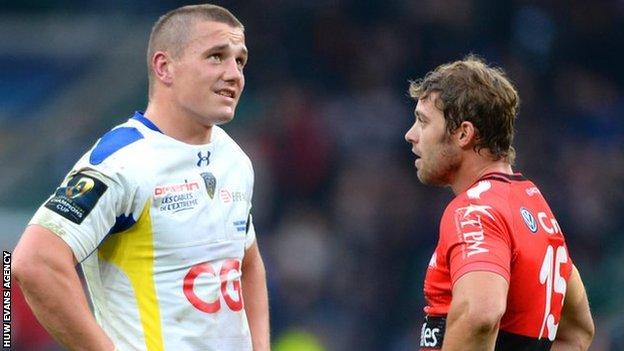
[160, 228]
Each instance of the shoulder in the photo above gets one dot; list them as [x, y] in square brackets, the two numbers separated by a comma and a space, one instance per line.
[121, 155]
[113, 141]
[123, 145]
[485, 200]
[476, 219]
[489, 193]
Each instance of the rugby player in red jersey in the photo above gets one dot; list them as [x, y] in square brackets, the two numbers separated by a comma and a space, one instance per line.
[501, 277]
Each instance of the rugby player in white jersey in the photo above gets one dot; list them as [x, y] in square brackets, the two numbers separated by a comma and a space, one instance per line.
[158, 212]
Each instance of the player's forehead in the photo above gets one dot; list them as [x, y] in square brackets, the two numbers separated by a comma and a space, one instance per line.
[205, 34]
[427, 105]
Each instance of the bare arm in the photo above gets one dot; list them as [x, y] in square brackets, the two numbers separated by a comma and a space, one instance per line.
[479, 302]
[256, 298]
[44, 267]
[576, 328]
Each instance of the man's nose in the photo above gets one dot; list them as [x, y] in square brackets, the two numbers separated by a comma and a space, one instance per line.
[232, 70]
[412, 135]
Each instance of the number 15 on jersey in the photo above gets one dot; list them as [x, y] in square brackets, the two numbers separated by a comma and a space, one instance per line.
[550, 276]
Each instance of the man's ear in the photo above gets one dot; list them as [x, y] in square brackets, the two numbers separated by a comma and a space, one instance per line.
[466, 135]
[162, 68]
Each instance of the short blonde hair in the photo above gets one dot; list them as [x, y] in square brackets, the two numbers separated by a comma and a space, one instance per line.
[170, 32]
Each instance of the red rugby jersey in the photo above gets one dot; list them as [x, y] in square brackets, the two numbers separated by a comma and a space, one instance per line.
[502, 224]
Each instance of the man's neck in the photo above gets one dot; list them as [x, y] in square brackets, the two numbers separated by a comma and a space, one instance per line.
[177, 124]
[474, 168]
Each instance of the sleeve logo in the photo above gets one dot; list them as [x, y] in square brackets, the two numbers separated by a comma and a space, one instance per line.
[529, 220]
[83, 186]
[475, 192]
[76, 199]
[470, 228]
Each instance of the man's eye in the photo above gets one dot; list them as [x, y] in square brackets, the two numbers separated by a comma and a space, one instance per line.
[215, 57]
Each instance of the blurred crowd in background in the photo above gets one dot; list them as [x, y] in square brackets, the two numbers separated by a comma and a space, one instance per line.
[345, 228]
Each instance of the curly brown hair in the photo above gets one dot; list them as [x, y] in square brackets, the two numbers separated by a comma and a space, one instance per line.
[470, 90]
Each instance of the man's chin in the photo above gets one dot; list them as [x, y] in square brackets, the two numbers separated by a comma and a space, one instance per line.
[224, 117]
[224, 120]
[429, 179]
[423, 177]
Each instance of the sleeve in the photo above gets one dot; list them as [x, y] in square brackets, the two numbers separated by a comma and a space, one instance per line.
[84, 209]
[476, 240]
[250, 237]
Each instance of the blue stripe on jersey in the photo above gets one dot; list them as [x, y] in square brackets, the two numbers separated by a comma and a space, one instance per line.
[149, 124]
[113, 141]
[122, 223]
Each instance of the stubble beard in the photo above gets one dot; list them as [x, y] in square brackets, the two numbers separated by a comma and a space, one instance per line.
[440, 169]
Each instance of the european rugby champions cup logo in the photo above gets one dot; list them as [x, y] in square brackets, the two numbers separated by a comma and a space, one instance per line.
[83, 186]
[76, 199]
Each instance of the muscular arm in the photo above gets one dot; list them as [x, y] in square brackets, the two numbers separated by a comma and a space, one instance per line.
[256, 298]
[479, 302]
[44, 267]
[576, 328]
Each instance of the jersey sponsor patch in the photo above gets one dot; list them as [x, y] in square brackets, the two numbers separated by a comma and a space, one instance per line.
[75, 200]
[470, 227]
[532, 191]
[432, 333]
[176, 197]
[228, 196]
[241, 226]
[529, 220]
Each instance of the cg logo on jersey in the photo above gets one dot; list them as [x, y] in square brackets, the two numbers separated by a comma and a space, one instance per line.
[228, 281]
[529, 220]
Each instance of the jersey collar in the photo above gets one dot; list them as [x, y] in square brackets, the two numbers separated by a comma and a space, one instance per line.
[138, 115]
[503, 177]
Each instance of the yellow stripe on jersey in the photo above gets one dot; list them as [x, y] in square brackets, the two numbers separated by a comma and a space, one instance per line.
[133, 252]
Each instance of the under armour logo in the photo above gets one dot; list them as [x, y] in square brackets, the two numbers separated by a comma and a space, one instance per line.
[203, 158]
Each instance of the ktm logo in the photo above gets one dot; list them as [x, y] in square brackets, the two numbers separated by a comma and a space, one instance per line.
[83, 186]
[470, 209]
